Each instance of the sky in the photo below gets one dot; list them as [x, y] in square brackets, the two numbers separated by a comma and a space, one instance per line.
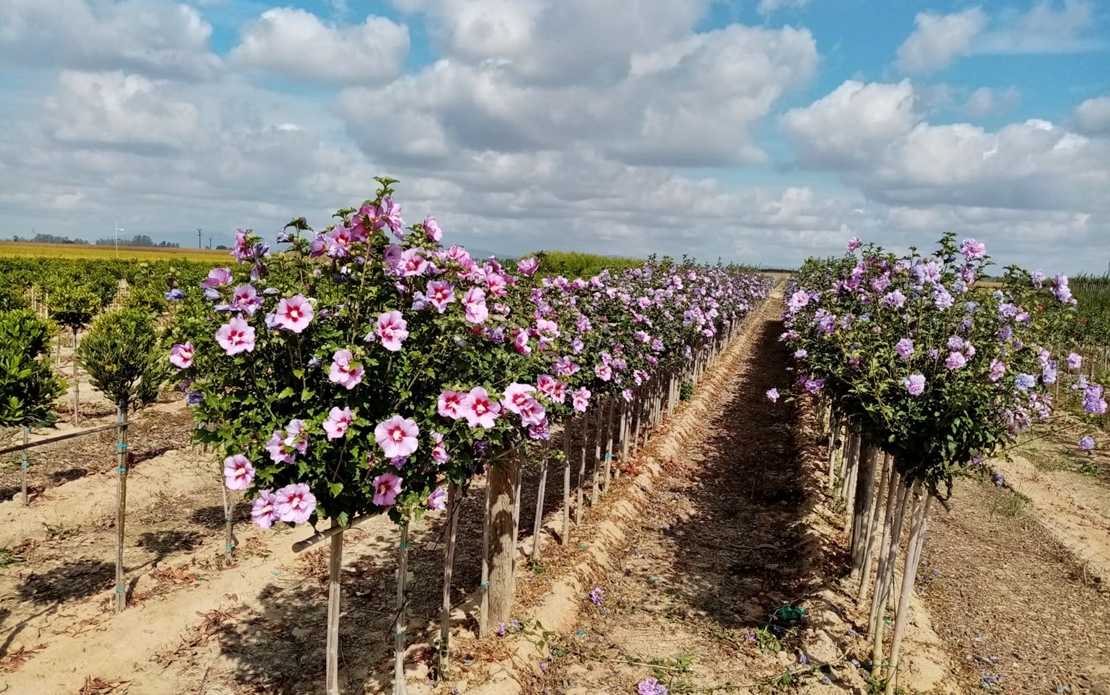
[758, 131]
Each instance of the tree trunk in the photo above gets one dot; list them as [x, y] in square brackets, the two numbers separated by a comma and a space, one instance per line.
[483, 610]
[613, 405]
[566, 481]
[872, 531]
[230, 542]
[335, 566]
[834, 445]
[453, 505]
[23, 466]
[76, 384]
[909, 576]
[884, 583]
[121, 507]
[502, 500]
[537, 526]
[585, 422]
[864, 496]
[399, 621]
[598, 431]
[851, 475]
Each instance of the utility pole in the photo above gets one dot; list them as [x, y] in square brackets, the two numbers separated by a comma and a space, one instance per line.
[200, 240]
[118, 230]
[209, 241]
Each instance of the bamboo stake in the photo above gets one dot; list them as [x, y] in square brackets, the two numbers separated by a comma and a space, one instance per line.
[909, 576]
[335, 566]
[230, 542]
[121, 507]
[585, 422]
[454, 502]
[613, 404]
[884, 586]
[834, 434]
[399, 622]
[76, 383]
[863, 499]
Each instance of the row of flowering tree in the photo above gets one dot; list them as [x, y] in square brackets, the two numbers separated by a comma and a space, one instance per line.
[368, 369]
[929, 373]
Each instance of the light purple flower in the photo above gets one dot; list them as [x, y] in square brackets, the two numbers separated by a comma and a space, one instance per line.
[895, 299]
[773, 395]
[475, 302]
[904, 348]
[478, 410]
[650, 686]
[517, 395]
[1075, 361]
[915, 384]
[972, 249]
[431, 228]
[295, 503]
[1087, 443]
[386, 488]
[437, 501]
[580, 399]
[998, 370]
[238, 472]
[264, 509]
[181, 356]
[245, 298]
[397, 436]
[528, 266]
[854, 243]
[450, 404]
[597, 596]
[440, 294]
[439, 449]
[217, 277]
[1024, 382]
[956, 360]
[800, 354]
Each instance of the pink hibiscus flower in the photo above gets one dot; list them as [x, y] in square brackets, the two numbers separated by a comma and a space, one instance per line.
[516, 395]
[397, 436]
[264, 509]
[478, 409]
[391, 329]
[238, 472]
[386, 488]
[236, 336]
[181, 356]
[294, 314]
[295, 503]
[338, 422]
[345, 370]
[451, 404]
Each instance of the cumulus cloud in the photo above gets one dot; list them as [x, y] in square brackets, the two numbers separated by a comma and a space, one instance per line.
[767, 7]
[900, 159]
[691, 102]
[985, 101]
[154, 37]
[939, 39]
[296, 44]
[1092, 117]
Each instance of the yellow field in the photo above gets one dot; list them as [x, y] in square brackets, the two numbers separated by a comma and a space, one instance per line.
[26, 249]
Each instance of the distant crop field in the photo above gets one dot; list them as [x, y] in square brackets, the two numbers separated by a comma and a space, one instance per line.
[23, 249]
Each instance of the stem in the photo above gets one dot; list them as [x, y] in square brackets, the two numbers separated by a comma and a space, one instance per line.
[566, 481]
[335, 565]
[872, 529]
[613, 404]
[453, 504]
[230, 542]
[597, 450]
[913, 559]
[121, 506]
[399, 622]
[585, 420]
[896, 507]
[24, 465]
[537, 527]
[864, 496]
[483, 613]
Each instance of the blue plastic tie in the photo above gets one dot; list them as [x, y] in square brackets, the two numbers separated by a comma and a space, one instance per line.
[121, 591]
[406, 545]
[26, 430]
[608, 456]
[484, 585]
[121, 469]
[121, 445]
[25, 465]
[399, 634]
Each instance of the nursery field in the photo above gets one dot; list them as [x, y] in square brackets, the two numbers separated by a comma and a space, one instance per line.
[26, 249]
[364, 462]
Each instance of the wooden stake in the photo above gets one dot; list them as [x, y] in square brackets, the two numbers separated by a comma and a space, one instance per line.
[884, 584]
[503, 550]
[601, 403]
[335, 566]
[121, 507]
[863, 498]
[399, 622]
[872, 531]
[76, 383]
[584, 419]
[453, 504]
[613, 405]
[229, 523]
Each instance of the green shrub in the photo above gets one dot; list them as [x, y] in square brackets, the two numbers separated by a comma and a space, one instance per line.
[28, 386]
[123, 356]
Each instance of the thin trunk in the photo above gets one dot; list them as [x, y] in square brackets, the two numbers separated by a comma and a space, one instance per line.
[453, 504]
[913, 560]
[884, 584]
[872, 531]
[121, 507]
[864, 497]
[517, 505]
[601, 403]
[585, 421]
[76, 384]
[23, 466]
[335, 566]
[834, 443]
[230, 542]
[483, 610]
[503, 550]
[849, 492]
[566, 481]
[537, 527]
[613, 405]
[399, 621]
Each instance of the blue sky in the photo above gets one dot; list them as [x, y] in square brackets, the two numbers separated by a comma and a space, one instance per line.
[755, 130]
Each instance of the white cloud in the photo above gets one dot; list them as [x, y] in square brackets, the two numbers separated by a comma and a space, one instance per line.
[939, 39]
[1092, 117]
[985, 101]
[897, 158]
[154, 37]
[767, 7]
[691, 102]
[296, 44]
